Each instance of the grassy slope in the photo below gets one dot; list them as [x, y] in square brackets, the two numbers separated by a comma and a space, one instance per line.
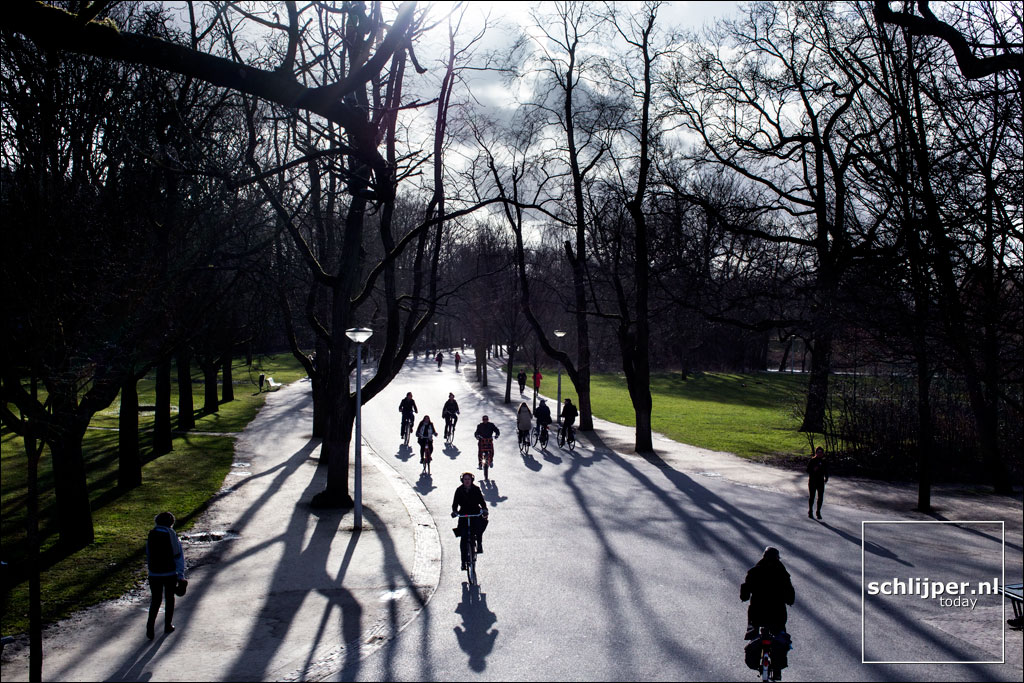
[181, 481]
[751, 415]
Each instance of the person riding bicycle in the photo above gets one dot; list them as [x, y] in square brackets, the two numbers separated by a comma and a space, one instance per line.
[524, 420]
[486, 432]
[543, 416]
[469, 500]
[769, 589]
[425, 434]
[439, 358]
[450, 412]
[407, 407]
[569, 415]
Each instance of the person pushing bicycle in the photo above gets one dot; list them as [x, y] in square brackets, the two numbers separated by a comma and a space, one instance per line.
[469, 500]
[486, 432]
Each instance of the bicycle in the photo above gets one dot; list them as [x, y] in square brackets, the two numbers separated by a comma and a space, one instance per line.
[485, 454]
[765, 646]
[567, 435]
[539, 435]
[449, 427]
[524, 442]
[467, 537]
[426, 454]
[407, 421]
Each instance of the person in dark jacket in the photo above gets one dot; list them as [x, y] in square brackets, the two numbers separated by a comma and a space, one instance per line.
[817, 469]
[521, 378]
[166, 563]
[769, 589]
[469, 500]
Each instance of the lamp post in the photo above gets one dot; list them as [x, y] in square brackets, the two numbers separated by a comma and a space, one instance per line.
[359, 335]
[558, 409]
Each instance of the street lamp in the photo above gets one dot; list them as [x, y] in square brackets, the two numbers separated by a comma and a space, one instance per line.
[558, 409]
[359, 335]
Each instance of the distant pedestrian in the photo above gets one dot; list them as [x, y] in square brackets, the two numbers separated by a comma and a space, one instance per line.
[458, 359]
[440, 359]
[537, 377]
[521, 378]
[817, 468]
[166, 563]
[263, 378]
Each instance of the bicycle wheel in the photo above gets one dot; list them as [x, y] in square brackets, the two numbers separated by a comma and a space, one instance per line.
[544, 437]
[571, 439]
[524, 445]
[471, 565]
[534, 436]
[561, 438]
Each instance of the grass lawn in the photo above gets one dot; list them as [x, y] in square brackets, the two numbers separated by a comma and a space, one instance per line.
[751, 415]
[181, 481]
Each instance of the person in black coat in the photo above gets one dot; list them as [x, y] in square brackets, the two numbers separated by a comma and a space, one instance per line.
[817, 469]
[769, 589]
[469, 500]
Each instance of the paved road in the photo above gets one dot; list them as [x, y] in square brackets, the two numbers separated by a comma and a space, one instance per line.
[606, 566]
[598, 565]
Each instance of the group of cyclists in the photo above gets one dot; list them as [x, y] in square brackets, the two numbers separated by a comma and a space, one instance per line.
[486, 432]
[767, 584]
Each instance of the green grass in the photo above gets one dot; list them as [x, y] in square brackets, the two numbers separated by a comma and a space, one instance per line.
[181, 481]
[750, 415]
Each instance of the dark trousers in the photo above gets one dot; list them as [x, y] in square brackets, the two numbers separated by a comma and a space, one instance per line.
[815, 487]
[162, 585]
[478, 526]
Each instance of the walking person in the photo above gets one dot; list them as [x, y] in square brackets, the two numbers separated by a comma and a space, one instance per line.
[537, 377]
[817, 469]
[166, 563]
[521, 378]
[458, 359]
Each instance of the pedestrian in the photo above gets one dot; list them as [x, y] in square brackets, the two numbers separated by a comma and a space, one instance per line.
[440, 359]
[458, 359]
[817, 469]
[263, 378]
[537, 377]
[521, 378]
[166, 563]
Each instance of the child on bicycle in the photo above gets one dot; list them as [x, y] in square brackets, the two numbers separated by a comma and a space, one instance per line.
[486, 432]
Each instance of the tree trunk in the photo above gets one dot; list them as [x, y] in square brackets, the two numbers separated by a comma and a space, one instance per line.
[228, 381]
[817, 386]
[318, 379]
[508, 372]
[210, 395]
[74, 513]
[162, 419]
[129, 464]
[186, 409]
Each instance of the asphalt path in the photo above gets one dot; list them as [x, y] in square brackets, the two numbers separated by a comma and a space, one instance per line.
[605, 566]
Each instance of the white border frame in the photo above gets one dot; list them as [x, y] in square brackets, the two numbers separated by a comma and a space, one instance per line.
[1002, 597]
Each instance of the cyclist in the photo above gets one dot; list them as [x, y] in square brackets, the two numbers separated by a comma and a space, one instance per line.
[407, 407]
[469, 500]
[769, 589]
[524, 419]
[425, 434]
[439, 359]
[458, 359]
[569, 414]
[450, 414]
[486, 432]
[543, 417]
